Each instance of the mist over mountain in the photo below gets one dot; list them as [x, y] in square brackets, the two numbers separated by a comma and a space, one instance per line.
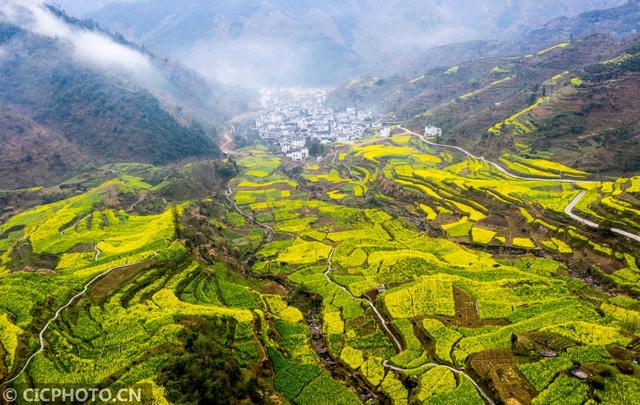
[72, 96]
[320, 202]
[253, 42]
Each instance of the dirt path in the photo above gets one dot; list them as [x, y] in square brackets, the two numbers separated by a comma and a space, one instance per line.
[454, 370]
[382, 321]
[346, 166]
[75, 224]
[378, 315]
[227, 141]
[65, 306]
[98, 253]
[270, 231]
[136, 203]
[569, 208]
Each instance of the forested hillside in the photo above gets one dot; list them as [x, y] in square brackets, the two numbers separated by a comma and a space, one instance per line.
[92, 108]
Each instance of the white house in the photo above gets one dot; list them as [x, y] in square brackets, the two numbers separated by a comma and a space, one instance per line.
[432, 132]
[299, 155]
[297, 143]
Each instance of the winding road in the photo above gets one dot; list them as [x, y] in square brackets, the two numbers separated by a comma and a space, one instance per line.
[270, 230]
[75, 224]
[227, 141]
[381, 320]
[327, 273]
[384, 324]
[568, 209]
[98, 253]
[67, 305]
[455, 370]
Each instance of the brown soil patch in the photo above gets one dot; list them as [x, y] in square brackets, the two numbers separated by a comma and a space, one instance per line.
[495, 221]
[83, 247]
[541, 343]
[467, 311]
[108, 284]
[609, 266]
[274, 289]
[483, 362]
[499, 367]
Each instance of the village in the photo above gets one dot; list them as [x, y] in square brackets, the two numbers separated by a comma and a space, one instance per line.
[294, 117]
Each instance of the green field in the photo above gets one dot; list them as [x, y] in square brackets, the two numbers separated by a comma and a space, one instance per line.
[398, 273]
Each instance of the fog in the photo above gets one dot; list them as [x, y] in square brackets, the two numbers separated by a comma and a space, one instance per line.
[88, 47]
[254, 62]
[257, 43]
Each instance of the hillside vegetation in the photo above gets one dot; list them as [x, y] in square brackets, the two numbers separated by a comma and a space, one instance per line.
[88, 115]
[387, 271]
[495, 264]
[559, 101]
[567, 90]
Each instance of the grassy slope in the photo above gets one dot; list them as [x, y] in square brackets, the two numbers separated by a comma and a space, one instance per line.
[447, 283]
[533, 94]
[89, 117]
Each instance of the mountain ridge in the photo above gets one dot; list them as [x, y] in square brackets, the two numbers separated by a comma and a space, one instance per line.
[318, 43]
[93, 113]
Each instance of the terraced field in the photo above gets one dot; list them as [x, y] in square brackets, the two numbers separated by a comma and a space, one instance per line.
[464, 264]
[388, 271]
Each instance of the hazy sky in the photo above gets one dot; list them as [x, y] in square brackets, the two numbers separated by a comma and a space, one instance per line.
[259, 42]
[82, 7]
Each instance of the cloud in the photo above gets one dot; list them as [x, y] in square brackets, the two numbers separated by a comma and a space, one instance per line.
[102, 51]
[89, 47]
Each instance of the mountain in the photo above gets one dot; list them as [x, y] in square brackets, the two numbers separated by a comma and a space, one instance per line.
[285, 42]
[32, 153]
[575, 102]
[618, 22]
[242, 42]
[560, 105]
[72, 97]
[591, 119]
[621, 21]
[528, 79]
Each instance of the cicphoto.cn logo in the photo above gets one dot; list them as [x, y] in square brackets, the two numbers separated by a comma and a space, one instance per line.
[74, 395]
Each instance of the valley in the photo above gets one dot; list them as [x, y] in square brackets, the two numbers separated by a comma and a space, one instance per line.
[460, 224]
[396, 269]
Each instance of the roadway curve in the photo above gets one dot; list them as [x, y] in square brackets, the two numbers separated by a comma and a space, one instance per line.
[67, 305]
[455, 370]
[227, 141]
[381, 320]
[270, 231]
[384, 324]
[568, 209]
[327, 274]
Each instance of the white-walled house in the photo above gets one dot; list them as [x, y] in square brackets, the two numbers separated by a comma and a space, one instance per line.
[432, 132]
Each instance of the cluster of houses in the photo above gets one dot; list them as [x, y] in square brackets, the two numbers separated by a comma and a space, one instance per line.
[293, 117]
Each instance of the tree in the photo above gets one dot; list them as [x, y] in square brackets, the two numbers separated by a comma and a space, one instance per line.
[316, 148]
[205, 371]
